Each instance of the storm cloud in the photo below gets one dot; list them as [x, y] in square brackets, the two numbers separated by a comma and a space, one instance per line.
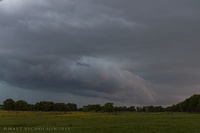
[137, 52]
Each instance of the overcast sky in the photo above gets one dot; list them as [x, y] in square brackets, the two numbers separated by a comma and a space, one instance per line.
[130, 52]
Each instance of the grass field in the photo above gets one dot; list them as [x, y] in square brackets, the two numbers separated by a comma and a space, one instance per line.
[79, 122]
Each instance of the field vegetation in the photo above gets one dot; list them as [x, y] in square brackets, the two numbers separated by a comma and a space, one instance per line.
[75, 122]
[47, 117]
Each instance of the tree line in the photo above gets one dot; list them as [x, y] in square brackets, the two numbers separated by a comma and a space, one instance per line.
[191, 104]
[108, 107]
[21, 105]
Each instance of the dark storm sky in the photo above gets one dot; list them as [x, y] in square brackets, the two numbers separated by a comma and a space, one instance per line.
[126, 51]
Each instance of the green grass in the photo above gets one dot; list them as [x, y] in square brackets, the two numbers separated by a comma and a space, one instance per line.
[78, 122]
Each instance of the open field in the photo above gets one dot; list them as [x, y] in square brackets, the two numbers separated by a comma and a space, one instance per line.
[75, 122]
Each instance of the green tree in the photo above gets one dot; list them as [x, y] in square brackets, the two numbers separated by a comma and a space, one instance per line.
[8, 104]
[191, 104]
[139, 109]
[158, 109]
[31, 107]
[97, 107]
[21, 105]
[121, 108]
[48, 106]
[131, 109]
[60, 107]
[108, 107]
[39, 106]
[151, 108]
[72, 106]
[85, 109]
[194, 101]
[144, 109]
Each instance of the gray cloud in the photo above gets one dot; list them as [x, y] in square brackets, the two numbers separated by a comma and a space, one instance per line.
[131, 51]
[88, 76]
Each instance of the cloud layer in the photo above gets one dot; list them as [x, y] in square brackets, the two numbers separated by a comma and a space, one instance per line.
[88, 76]
[143, 52]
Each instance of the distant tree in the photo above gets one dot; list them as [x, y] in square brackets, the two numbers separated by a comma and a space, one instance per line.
[96, 107]
[51, 106]
[144, 109]
[8, 104]
[139, 109]
[85, 109]
[21, 105]
[198, 106]
[108, 107]
[39, 106]
[93, 108]
[67, 107]
[191, 104]
[72, 106]
[31, 107]
[131, 109]
[174, 108]
[158, 109]
[151, 109]
[121, 108]
[116, 108]
[168, 108]
[80, 109]
[60, 107]
[90, 107]
[194, 101]
[48, 106]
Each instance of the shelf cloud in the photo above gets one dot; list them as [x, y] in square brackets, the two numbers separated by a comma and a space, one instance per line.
[135, 52]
